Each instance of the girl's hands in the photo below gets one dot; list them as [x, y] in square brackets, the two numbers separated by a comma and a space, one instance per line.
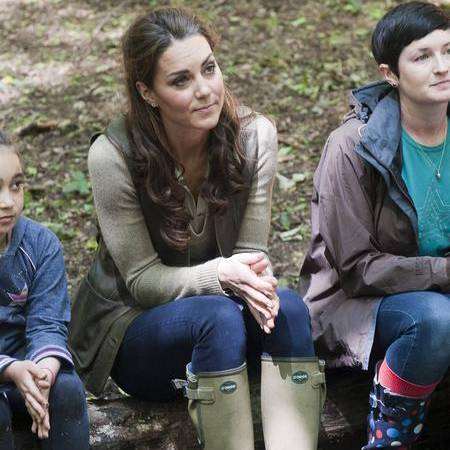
[28, 378]
[249, 276]
[50, 365]
[42, 428]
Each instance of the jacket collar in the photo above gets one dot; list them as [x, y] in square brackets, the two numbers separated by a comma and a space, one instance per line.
[16, 236]
[377, 105]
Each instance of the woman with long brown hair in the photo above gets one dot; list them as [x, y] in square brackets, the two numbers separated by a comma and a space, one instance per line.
[182, 283]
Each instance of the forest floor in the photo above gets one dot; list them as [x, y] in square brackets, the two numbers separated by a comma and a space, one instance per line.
[61, 81]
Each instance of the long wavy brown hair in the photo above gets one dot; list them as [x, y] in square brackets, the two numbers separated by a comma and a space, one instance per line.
[142, 45]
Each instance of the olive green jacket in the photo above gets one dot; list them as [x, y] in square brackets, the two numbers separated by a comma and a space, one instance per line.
[108, 299]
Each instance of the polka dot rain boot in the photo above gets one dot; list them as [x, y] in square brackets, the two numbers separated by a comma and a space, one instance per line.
[394, 421]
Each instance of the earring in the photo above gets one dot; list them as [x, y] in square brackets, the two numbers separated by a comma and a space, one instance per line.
[394, 84]
[152, 104]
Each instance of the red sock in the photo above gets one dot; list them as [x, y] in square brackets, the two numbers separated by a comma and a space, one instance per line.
[390, 380]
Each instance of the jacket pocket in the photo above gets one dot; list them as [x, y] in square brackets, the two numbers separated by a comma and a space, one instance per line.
[92, 318]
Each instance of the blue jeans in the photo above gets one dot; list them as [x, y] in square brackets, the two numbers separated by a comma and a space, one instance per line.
[413, 333]
[214, 333]
[69, 424]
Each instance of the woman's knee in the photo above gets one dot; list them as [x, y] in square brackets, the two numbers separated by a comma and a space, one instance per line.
[294, 309]
[292, 333]
[433, 325]
[67, 396]
[224, 316]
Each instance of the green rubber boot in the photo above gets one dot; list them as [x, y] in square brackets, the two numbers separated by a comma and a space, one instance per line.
[219, 406]
[292, 397]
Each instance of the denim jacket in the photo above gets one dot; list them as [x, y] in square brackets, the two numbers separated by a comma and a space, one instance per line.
[34, 302]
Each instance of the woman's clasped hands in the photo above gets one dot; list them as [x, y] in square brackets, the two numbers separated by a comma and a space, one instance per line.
[33, 383]
[249, 276]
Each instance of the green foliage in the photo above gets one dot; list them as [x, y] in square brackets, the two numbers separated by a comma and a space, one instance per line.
[64, 233]
[376, 12]
[91, 245]
[31, 171]
[77, 185]
[353, 6]
[299, 21]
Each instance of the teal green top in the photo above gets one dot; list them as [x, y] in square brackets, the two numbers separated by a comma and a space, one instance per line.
[430, 195]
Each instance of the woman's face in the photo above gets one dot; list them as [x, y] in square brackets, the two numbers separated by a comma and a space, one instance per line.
[424, 67]
[188, 85]
[11, 190]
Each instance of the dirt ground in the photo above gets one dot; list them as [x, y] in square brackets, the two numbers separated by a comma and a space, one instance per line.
[61, 81]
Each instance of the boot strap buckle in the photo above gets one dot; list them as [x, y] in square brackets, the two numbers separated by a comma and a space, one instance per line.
[317, 379]
[205, 394]
[179, 384]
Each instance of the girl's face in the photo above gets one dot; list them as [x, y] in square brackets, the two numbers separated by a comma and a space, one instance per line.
[188, 86]
[11, 190]
[424, 69]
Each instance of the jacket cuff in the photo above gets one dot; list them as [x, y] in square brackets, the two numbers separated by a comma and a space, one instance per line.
[208, 279]
[52, 350]
[5, 361]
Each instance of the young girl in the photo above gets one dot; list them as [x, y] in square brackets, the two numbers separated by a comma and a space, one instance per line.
[36, 369]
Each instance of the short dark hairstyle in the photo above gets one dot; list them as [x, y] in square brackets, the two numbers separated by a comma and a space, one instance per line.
[402, 25]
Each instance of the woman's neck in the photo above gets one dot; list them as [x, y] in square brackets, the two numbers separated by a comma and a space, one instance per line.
[188, 145]
[427, 124]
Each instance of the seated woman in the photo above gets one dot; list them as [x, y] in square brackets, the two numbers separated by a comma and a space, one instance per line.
[36, 369]
[377, 275]
[181, 283]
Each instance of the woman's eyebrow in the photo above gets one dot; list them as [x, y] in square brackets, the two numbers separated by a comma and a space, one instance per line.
[19, 175]
[184, 71]
[424, 49]
[16, 176]
[207, 59]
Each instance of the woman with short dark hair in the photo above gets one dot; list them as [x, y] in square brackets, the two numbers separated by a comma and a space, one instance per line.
[377, 275]
[182, 283]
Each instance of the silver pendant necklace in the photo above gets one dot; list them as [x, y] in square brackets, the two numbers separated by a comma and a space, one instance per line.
[437, 169]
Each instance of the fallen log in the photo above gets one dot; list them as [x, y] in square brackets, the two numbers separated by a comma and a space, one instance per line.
[128, 424]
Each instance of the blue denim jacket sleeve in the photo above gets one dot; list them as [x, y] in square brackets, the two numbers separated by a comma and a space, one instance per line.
[5, 361]
[48, 306]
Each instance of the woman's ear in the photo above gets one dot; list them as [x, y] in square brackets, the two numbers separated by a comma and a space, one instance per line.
[388, 75]
[146, 94]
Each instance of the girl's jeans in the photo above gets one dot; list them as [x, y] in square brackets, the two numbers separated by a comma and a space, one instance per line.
[413, 333]
[214, 333]
[69, 425]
